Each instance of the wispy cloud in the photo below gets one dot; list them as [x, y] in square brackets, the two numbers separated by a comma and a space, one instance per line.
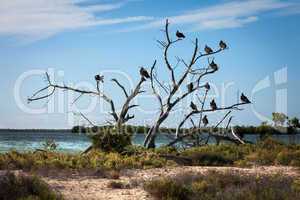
[227, 15]
[39, 19]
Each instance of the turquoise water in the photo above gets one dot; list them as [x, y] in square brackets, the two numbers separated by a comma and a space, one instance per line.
[70, 142]
[67, 141]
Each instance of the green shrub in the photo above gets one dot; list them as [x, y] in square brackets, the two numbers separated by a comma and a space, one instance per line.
[25, 187]
[167, 189]
[288, 157]
[224, 186]
[110, 140]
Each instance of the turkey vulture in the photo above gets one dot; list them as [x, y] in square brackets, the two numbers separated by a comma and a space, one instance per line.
[222, 45]
[193, 106]
[213, 65]
[207, 86]
[205, 120]
[213, 105]
[180, 35]
[244, 99]
[208, 50]
[99, 78]
[144, 73]
[190, 87]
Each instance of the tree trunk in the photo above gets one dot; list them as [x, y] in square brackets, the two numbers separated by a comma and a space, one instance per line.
[149, 141]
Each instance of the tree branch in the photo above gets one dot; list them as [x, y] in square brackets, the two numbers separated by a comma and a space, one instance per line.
[121, 86]
[153, 88]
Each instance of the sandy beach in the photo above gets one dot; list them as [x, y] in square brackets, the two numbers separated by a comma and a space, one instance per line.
[77, 187]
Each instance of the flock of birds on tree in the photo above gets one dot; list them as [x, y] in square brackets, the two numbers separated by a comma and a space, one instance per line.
[208, 50]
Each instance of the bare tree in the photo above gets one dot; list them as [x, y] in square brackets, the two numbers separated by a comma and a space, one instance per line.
[118, 118]
[173, 96]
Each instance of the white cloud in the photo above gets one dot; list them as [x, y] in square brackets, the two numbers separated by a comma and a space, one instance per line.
[228, 15]
[39, 19]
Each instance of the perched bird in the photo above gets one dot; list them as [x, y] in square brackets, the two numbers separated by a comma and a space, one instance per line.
[213, 105]
[222, 45]
[205, 120]
[207, 86]
[99, 78]
[190, 87]
[144, 73]
[244, 99]
[213, 65]
[180, 35]
[208, 50]
[193, 106]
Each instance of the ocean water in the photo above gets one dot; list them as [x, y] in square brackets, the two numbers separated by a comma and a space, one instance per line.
[71, 142]
[67, 141]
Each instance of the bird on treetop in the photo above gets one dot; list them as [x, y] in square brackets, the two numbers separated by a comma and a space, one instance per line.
[144, 73]
[213, 105]
[213, 65]
[245, 99]
[207, 86]
[205, 120]
[193, 106]
[99, 78]
[180, 35]
[222, 45]
[190, 87]
[208, 50]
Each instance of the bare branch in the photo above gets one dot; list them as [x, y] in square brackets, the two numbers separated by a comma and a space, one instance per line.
[168, 45]
[228, 123]
[153, 87]
[225, 116]
[126, 106]
[87, 119]
[77, 99]
[121, 86]
[208, 54]
[160, 84]
[80, 91]
[188, 116]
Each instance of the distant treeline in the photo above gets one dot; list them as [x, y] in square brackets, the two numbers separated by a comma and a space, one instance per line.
[35, 130]
[264, 130]
[240, 130]
[127, 128]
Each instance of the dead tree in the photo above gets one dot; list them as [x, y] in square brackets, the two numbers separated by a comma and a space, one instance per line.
[119, 119]
[173, 96]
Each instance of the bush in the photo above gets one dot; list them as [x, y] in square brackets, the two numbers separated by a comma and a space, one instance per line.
[25, 187]
[288, 157]
[110, 140]
[224, 186]
[168, 189]
[33, 161]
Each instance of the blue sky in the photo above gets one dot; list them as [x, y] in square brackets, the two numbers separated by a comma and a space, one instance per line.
[86, 37]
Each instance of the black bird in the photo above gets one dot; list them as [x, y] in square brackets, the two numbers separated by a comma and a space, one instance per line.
[213, 105]
[190, 87]
[193, 106]
[244, 99]
[144, 73]
[99, 78]
[222, 45]
[214, 66]
[207, 86]
[205, 120]
[180, 35]
[208, 50]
